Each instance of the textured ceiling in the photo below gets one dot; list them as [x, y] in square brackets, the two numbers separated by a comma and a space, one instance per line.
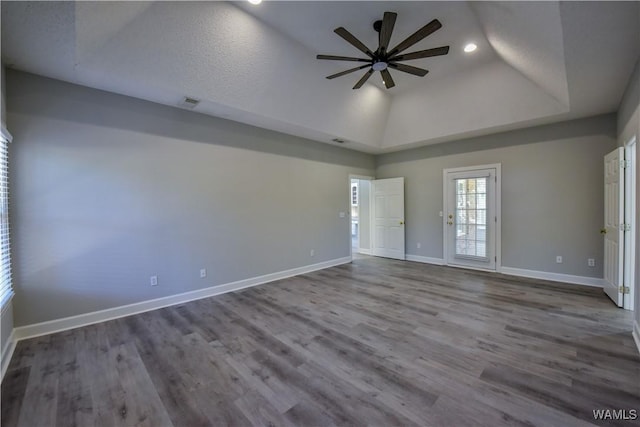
[537, 62]
[312, 26]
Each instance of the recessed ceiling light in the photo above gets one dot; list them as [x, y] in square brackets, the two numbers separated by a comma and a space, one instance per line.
[468, 48]
[255, 1]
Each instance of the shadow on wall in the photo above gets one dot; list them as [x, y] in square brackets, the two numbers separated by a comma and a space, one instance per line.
[79, 104]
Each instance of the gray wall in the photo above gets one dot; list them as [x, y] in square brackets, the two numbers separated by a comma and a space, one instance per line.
[628, 126]
[552, 192]
[109, 190]
[628, 110]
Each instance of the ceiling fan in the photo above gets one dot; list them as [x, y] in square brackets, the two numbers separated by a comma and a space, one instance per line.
[383, 58]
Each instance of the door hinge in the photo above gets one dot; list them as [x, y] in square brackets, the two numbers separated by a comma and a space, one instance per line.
[625, 227]
[625, 164]
[495, 219]
[624, 290]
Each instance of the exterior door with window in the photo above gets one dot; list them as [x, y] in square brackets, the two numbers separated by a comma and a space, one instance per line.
[471, 217]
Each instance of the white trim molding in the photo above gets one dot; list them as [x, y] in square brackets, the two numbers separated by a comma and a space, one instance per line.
[424, 259]
[556, 277]
[363, 251]
[59, 325]
[636, 334]
[7, 352]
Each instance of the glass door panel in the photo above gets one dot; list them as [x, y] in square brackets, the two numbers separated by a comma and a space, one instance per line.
[471, 217]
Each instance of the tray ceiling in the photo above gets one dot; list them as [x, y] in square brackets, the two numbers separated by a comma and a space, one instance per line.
[536, 62]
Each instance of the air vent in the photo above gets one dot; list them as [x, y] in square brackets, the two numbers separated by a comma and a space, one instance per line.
[189, 102]
[338, 140]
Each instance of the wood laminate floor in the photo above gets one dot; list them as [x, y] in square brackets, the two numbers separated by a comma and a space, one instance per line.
[376, 342]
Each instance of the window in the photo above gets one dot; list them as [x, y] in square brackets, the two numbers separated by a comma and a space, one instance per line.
[6, 291]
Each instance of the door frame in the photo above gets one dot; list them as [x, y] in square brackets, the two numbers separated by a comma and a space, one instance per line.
[630, 207]
[359, 177]
[498, 214]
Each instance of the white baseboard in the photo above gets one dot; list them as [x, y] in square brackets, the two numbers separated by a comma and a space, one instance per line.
[58, 325]
[636, 334]
[556, 277]
[7, 351]
[424, 259]
[534, 274]
[364, 251]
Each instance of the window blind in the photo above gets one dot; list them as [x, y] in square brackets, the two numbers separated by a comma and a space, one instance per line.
[6, 290]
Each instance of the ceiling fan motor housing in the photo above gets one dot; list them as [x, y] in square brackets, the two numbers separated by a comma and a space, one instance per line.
[379, 66]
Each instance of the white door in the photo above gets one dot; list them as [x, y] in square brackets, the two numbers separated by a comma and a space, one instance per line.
[388, 217]
[471, 218]
[614, 225]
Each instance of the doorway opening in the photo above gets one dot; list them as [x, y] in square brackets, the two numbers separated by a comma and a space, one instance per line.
[360, 214]
[355, 184]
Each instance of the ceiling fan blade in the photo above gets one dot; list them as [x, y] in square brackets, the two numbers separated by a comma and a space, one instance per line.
[386, 77]
[363, 79]
[414, 38]
[333, 76]
[436, 51]
[409, 69]
[342, 58]
[353, 40]
[388, 22]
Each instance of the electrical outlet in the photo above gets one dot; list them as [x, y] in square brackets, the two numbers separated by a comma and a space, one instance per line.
[312, 252]
[418, 245]
[203, 273]
[591, 262]
[153, 280]
[559, 259]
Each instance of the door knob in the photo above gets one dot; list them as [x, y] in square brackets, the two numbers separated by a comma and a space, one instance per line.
[401, 222]
[450, 222]
[603, 231]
